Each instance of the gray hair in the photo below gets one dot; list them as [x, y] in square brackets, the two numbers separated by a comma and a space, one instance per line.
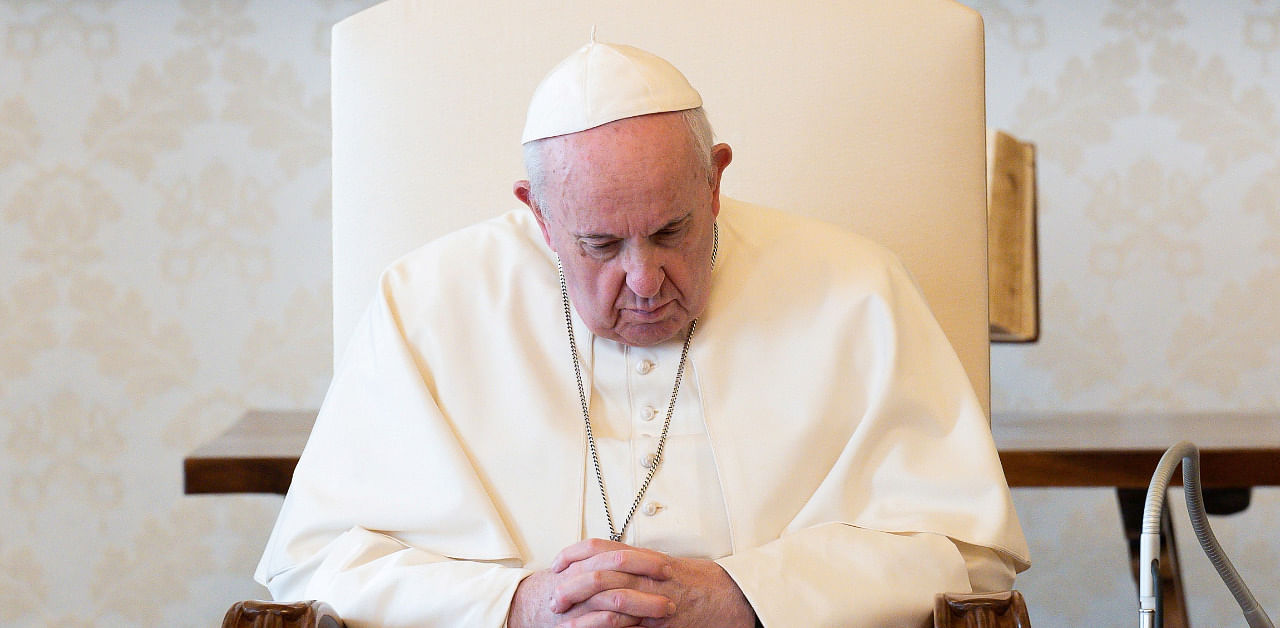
[700, 134]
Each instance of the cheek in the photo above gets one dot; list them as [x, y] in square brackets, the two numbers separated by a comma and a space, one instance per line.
[690, 277]
[595, 287]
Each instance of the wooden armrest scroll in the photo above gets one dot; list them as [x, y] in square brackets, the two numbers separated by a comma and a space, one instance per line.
[258, 614]
[1002, 609]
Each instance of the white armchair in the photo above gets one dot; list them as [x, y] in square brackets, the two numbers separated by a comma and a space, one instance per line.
[867, 114]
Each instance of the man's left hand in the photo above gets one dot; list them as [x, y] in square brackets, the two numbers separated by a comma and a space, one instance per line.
[703, 592]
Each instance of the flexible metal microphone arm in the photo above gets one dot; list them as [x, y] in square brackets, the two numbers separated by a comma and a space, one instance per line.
[1149, 541]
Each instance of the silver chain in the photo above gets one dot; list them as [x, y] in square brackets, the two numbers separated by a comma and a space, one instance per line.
[615, 534]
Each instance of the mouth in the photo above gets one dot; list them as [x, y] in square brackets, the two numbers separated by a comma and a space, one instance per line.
[649, 315]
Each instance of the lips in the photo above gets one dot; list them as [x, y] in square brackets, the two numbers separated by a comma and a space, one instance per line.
[649, 315]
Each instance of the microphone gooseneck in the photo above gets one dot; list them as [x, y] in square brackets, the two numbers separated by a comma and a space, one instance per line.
[1149, 541]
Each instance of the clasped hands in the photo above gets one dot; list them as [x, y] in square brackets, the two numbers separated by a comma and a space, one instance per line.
[599, 583]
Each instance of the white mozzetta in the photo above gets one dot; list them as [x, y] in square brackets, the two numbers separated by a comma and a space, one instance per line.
[449, 457]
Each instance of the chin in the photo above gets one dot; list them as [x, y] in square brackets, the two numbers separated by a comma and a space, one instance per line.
[648, 334]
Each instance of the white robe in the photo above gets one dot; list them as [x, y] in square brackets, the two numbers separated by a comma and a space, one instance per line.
[857, 468]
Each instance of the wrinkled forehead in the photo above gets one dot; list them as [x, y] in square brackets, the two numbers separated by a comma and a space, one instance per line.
[656, 143]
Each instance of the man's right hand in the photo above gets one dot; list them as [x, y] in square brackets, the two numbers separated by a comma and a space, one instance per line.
[609, 589]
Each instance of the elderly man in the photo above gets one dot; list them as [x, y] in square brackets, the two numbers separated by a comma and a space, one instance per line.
[642, 404]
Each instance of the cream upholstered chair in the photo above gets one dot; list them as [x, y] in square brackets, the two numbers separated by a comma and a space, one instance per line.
[865, 113]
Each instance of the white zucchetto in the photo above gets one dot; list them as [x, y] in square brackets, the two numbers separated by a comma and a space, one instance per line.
[600, 83]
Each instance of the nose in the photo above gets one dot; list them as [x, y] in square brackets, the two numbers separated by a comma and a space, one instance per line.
[644, 273]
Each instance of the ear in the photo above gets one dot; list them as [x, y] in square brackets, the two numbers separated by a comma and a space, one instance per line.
[522, 191]
[721, 155]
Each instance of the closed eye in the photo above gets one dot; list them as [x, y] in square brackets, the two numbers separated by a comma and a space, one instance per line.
[599, 246]
[672, 230]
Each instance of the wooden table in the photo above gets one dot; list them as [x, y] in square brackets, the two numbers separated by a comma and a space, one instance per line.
[1237, 452]
[256, 454]
[1122, 449]
[1119, 450]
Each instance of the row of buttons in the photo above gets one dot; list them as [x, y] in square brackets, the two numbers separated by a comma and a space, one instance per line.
[649, 413]
[644, 367]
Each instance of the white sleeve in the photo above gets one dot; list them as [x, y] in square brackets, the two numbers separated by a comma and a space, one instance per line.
[386, 518]
[374, 579]
[841, 575]
[914, 504]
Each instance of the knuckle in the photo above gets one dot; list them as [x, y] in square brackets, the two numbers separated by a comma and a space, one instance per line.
[618, 559]
[597, 579]
[667, 564]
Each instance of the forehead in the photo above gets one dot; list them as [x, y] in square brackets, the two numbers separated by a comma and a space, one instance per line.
[635, 175]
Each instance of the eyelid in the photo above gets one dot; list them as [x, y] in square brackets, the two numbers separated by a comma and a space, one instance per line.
[673, 230]
[598, 243]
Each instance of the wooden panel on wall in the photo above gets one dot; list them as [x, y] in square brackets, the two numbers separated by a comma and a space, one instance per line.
[1011, 239]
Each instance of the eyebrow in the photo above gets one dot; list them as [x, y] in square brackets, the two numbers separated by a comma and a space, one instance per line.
[609, 236]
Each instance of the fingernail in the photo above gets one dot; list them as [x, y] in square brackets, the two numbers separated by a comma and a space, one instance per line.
[671, 608]
[666, 571]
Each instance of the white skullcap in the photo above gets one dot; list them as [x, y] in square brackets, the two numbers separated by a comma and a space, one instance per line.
[600, 83]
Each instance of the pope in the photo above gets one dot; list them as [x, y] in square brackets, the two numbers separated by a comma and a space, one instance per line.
[640, 403]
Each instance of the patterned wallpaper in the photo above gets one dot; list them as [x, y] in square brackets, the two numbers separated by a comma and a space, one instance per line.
[1157, 125]
[1159, 155]
[164, 264]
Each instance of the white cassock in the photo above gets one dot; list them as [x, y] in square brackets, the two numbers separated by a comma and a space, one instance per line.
[826, 447]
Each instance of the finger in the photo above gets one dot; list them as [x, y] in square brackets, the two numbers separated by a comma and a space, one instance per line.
[630, 602]
[577, 588]
[600, 619]
[583, 550]
[634, 561]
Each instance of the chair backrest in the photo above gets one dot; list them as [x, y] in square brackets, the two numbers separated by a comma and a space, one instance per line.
[865, 113]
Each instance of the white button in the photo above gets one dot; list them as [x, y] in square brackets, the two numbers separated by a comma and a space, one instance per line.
[649, 413]
[653, 508]
[649, 461]
[645, 366]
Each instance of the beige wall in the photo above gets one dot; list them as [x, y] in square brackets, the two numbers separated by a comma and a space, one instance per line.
[1158, 129]
[164, 264]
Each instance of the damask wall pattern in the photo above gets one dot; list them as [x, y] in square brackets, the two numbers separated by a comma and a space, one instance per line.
[164, 264]
[164, 246]
[1157, 129]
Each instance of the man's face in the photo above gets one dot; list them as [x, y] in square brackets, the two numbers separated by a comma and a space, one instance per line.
[629, 210]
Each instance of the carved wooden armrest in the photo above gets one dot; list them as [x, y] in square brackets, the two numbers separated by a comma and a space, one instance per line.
[258, 614]
[1001, 609]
